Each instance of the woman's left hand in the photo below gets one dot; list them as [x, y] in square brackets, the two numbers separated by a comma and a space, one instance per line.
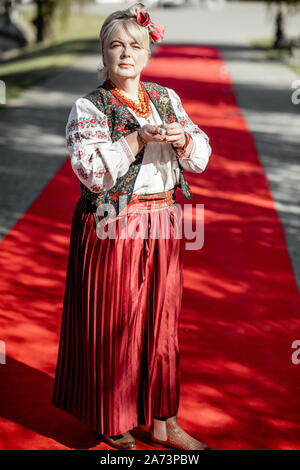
[175, 134]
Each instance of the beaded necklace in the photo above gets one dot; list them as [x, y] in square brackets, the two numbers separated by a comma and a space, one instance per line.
[142, 108]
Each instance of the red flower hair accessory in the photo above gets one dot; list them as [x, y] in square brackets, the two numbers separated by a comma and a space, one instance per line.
[143, 19]
[156, 34]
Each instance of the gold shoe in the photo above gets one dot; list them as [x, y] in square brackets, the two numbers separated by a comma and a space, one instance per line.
[176, 437]
[124, 441]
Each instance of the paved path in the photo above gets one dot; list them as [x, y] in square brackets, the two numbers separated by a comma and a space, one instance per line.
[213, 21]
[32, 128]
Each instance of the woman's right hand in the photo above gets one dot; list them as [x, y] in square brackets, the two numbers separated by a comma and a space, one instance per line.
[151, 133]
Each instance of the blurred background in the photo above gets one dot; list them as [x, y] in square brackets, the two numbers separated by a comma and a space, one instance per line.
[44, 35]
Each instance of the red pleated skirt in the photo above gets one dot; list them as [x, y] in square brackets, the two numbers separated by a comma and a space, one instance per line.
[118, 358]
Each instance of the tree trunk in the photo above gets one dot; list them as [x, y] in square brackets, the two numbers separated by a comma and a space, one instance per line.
[280, 39]
[44, 19]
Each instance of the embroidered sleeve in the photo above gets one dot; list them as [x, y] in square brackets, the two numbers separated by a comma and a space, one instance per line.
[95, 159]
[201, 151]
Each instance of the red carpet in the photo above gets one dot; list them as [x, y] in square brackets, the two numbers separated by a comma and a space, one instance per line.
[239, 387]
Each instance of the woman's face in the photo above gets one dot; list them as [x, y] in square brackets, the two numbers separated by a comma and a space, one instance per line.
[123, 56]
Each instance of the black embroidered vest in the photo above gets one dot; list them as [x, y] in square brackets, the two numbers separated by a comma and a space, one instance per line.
[121, 122]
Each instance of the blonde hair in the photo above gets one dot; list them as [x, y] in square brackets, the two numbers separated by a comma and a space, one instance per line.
[126, 18]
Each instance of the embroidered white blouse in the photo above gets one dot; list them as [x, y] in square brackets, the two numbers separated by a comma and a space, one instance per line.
[98, 162]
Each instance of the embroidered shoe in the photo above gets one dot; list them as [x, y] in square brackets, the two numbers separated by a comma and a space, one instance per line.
[124, 441]
[170, 434]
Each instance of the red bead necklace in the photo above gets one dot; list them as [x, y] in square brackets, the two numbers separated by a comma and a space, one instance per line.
[142, 108]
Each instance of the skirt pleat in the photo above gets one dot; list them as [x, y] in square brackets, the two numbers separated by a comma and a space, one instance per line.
[118, 357]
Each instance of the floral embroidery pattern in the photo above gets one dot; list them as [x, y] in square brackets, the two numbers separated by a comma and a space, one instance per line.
[115, 101]
[78, 132]
[119, 126]
[85, 128]
[154, 94]
[171, 117]
[115, 196]
[120, 123]
[86, 122]
[82, 173]
[96, 188]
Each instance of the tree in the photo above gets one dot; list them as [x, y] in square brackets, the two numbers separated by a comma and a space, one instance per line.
[283, 9]
[45, 12]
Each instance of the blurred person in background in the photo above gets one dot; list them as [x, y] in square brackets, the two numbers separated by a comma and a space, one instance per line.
[129, 142]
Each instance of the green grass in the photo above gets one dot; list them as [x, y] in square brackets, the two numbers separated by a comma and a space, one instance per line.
[37, 62]
[76, 25]
[281, 54]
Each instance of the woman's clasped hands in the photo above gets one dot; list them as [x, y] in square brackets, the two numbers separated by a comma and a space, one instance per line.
[174, 134]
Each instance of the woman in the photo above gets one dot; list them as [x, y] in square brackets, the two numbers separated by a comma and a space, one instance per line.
[118, 361]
